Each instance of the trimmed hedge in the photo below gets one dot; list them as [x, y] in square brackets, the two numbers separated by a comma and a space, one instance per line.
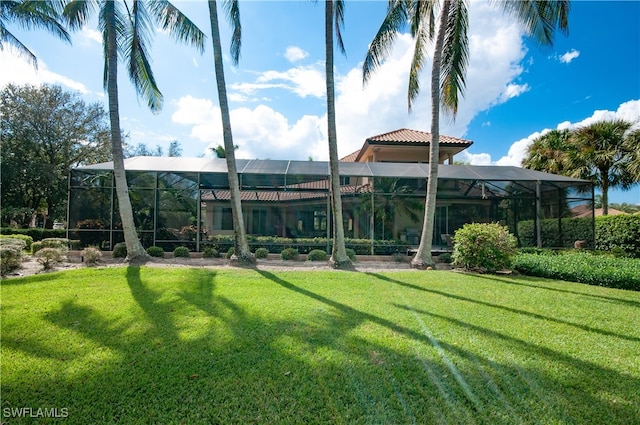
[614, 232]
[619, 232]
[156, 251]
[28, 240]
[583, 267]
[487, 247]
[181, 252]
[35, 232]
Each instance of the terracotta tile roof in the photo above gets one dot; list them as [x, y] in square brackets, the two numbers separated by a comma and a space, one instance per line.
[407, 136]
[351, 157]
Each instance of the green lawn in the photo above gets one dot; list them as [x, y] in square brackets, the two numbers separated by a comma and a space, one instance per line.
[194, 346]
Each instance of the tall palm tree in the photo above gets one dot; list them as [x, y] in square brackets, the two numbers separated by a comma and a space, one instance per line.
[548, 152]
[30, 14]
[125, 28]
[242, 254]
[339, 258]
[606, 153]
[450, 58]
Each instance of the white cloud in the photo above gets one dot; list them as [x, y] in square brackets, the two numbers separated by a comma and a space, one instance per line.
[569, 56]
[89, 34]
[496, 55]
[294, 54]
[629, 111]
[16, 70]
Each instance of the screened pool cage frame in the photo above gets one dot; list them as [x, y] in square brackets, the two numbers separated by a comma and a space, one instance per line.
[185, 202]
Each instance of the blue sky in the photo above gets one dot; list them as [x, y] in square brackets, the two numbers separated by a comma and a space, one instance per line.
[516, 89]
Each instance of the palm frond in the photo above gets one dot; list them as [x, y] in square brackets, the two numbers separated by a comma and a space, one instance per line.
[338, 7]
[178, 25]
[455, 56]
[31, 14]
[380, 47]
[7, 37]
[136, 52]
[540, 18]
[232, 9]
[418, 60]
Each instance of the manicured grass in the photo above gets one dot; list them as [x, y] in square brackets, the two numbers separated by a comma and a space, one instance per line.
[148, 345]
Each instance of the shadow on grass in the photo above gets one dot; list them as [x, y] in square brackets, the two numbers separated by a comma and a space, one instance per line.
[192, 353]
[506, 308]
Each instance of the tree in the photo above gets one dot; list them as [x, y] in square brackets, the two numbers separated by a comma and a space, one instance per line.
[339, 258]
[548, 152]
[30, 14]
[242, 254]
[126, 33]
[45, 132]
[450, 58]
[607, 153]
[175, 149]
[219, 151]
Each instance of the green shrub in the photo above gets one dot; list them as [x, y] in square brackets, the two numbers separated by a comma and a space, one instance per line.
[48, 257]
[119, 250]
[445, 257]
[317, 255]
[230, 252]
[61, 244]
[351, 254]
[181, 252]
[10, 258]
[91, 255]
[210, 252]
[155, 251]
[486, 247]
[262, 252]
[583, 267]
[620, 233]
[289, 254]
[35, 233]
[28, 240]
[15, 243]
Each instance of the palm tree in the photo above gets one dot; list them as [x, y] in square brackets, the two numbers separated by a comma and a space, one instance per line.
[30, 14]
[242, 254]
[450, 58]
[126, 30]
[548, 152]
[339, 258]
[607, 153]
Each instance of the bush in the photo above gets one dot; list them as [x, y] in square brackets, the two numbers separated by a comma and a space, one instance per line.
[445, 257]
[10, 257]
[289, 254]
[262, 253]
[619, 233]
[210, 252]
[15, 243]
[155, 251]
[351, 254]
[230, 252]
[583, 267]
[35, 233]
[119, 250]
[398, 257]
[91, 256]
[483, 247]
[61, 244]
[181, 252]
[28, 240]
[48, 257]
[317, 255]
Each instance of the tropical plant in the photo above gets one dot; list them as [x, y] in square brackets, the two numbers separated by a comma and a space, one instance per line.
[334, 10]
[450, 58]
[30, 14]
[125, 31]
[606, 153]
[548, 152]
[242, 253]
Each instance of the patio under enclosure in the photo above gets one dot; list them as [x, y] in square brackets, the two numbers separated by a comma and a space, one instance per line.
[185, 202]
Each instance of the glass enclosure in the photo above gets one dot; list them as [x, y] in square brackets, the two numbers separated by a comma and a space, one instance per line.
[185, 202]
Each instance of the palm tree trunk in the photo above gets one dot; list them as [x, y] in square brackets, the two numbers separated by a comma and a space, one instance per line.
[423, 257]
[339, 258]
[242, 253]
[135, 251]
[604, 178]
